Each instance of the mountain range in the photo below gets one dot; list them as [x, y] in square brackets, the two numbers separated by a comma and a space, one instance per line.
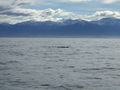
[108, 27]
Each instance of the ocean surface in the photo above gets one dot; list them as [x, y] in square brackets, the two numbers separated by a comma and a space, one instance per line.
[59, 64]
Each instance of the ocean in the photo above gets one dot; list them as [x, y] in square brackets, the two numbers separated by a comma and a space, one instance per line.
[59, 64]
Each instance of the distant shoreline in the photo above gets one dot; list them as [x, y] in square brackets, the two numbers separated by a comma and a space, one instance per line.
[60, 36]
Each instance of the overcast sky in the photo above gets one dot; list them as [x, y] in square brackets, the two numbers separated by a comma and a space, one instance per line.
[14, 11]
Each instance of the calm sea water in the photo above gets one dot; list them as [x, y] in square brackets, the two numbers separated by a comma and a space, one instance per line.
[59, 64]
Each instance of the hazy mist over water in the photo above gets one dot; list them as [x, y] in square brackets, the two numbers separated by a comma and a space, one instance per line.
[59, 64]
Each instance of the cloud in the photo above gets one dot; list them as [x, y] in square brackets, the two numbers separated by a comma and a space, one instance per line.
[76, 1]
[103, 1]
[12, 11]
[16, 2]
[21, 14]
[4, 8]
[9, 5]
[109, 1]
[103, 14]
[107, 13]
[19, 3]
[17, 15]
[13, 14]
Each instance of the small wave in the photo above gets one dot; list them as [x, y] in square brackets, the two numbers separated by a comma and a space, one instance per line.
[97, 78]
[8, 62]
[69, 67]
[48, 67]
[87, 69]
[2, 63]
[63, 87]
[57, 46]
[4, 68]
[17, 82]
[8, 46]
[16, 53]
[102, 68]
[102, 46]
[62, 46]
[86, 52]
[61, 60]
[46, 85]
[69, 87]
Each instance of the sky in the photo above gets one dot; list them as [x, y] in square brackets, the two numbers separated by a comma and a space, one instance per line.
[16, 11]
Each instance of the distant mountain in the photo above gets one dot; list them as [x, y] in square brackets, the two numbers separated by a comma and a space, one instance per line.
[80, 28]
[107, 21]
